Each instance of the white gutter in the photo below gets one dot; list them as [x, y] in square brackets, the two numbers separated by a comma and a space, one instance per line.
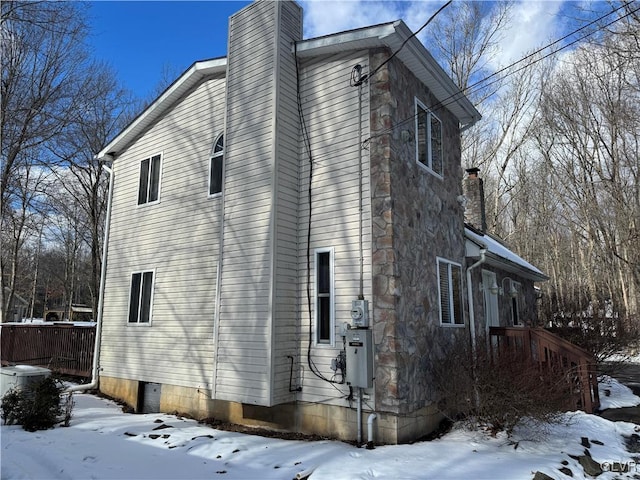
[472, 318]
[103, 273]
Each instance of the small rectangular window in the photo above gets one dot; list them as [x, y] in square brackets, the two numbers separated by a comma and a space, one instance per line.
[324, 296]
[429, 147]
[149, 186]
[140, 297]
[450, 292]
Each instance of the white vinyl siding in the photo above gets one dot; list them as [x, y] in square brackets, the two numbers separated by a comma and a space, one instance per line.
[179, 238]
[429, 153]
[257, 318]
[330, 108]
[450, 292]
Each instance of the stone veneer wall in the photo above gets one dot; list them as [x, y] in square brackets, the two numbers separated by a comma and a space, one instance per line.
[415, 218]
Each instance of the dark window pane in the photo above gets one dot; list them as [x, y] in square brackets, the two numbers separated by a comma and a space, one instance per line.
[324, 320]
[154, 179]
[145, 308]
[324, 273]
[144, 182]
[219, 145]
[514, 309]
[436, 145]
[421, 136]
[134, 299]
[215, 179]
[456, 291]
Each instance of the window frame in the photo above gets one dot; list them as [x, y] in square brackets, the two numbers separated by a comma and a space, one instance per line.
[150, 172]
[215, 155]
[516, 319]
[330, 341]
[142, 273]
[450, 293]
[429, 141]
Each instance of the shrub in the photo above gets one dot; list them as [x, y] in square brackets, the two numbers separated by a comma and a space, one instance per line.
[36, 407]
[499, 391]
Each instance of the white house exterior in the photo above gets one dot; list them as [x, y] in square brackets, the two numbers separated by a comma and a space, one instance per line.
[259, 196]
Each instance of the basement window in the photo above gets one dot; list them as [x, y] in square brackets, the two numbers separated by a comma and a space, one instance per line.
[450, 292]
[325, 299]
[140, 297]
[429, 151]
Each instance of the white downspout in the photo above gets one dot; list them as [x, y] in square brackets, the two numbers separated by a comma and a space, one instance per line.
[472, 319]
[370, 420]
[103, 272]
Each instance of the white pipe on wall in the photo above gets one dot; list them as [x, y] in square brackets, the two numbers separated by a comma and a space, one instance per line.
[103, 272]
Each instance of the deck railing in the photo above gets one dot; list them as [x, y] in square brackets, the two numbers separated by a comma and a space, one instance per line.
[549, 350]
[66, 349]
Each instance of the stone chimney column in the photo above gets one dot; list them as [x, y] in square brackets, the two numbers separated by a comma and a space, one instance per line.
[474, 213]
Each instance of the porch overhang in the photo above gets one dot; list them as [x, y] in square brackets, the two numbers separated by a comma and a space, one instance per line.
[499, 256]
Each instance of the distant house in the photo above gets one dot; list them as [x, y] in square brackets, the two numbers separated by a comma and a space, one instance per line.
[268, 200]
[18, 308]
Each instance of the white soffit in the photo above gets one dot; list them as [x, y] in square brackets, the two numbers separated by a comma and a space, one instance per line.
[414, 55]
[174, 92]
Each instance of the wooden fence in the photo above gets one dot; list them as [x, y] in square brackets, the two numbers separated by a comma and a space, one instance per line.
[66, 349]
[547, 349]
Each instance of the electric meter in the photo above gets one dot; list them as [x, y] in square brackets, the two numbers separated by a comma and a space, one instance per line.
[360, 313]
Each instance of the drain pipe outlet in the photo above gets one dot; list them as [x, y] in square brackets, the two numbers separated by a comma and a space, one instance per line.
[370, 421]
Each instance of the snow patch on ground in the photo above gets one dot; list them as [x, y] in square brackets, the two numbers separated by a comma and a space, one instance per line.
[105, 443]
[614, 394]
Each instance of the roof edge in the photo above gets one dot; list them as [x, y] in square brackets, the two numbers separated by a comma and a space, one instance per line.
[188, 79]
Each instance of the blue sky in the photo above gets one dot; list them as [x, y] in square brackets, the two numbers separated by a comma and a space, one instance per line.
[142, 39]
[150, 41]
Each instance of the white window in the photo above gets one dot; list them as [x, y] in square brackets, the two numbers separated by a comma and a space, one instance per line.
[514, 294]
[429, 154]
[450, 292]
[141, 297]
[215, 167]
[149, 186]
[325, 318]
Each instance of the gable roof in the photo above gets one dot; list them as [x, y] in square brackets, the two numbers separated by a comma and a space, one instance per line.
[390, 35]
[500, 256]
[189, 79]
[413, 54]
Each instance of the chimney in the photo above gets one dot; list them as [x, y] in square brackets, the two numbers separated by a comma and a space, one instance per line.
[474, 213]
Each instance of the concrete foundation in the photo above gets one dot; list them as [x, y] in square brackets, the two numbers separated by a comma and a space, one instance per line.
[330, 421]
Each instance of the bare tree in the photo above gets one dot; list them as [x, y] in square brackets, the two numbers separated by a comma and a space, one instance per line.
[42, 59]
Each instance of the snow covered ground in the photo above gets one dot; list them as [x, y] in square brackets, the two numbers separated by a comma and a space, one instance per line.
[105, 443]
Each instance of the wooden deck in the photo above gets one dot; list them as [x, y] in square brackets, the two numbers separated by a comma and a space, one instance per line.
[549, 350]
[66, 349]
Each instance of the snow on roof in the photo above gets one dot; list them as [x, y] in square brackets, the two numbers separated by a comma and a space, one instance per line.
[499, 255]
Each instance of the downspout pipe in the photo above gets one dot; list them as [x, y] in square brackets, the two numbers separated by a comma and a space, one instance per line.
[103, 273]
[472, 319]
[370, 421]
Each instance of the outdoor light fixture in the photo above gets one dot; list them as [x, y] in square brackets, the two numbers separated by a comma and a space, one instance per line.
[513, 291]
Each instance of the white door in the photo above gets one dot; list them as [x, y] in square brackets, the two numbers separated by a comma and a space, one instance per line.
[490, 301]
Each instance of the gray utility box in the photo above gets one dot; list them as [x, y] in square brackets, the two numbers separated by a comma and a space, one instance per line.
[360, 358]
[19, 376]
